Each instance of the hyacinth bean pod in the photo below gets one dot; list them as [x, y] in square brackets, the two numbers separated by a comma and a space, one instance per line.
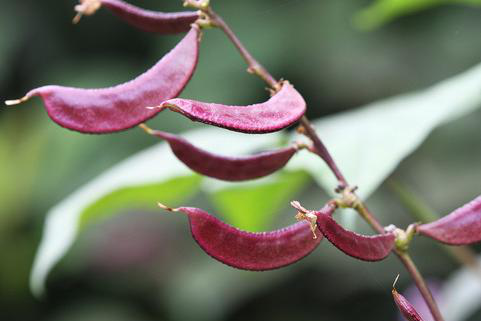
[461, 227]
[363, 247]
[123, 106]
[258, 251]
[404, 306]
[282, 110]
[224, 167]
[146, 20]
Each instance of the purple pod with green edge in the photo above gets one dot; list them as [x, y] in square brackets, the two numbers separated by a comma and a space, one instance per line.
[461, 227]
[363, 247]
[257, 251]
[405, 307]
[224, 167]
[146, 20]
[282, 110]
[117, 108]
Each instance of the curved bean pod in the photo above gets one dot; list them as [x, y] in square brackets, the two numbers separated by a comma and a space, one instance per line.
[461, 227]
[404, 306]
[146, 20]
[224, 167]
[245, 250]
[367, 248]
[123, 106]
[280, 111]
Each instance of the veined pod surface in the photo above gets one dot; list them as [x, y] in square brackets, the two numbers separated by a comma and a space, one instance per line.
[404, 306]
[282, 110]
[363, 247]
[123, 106]
[245, 250]
[224, 167]
[463, 226]
[146, 20]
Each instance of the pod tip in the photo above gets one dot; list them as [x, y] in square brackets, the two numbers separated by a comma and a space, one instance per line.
[394, 283]
[86, 7]
[16, 101]
[165, 207]
[146, 128]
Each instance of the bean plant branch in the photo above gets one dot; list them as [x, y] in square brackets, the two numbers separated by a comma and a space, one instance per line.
[421, 284]
[320, 149]
[254, 67]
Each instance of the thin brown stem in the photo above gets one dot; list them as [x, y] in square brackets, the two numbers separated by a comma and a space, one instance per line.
[256, 68]
[320, 149]
[421, 285]
[406, 261]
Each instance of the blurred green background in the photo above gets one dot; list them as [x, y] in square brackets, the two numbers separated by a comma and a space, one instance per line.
[137, 267]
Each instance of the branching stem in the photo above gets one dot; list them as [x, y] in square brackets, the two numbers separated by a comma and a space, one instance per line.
[320, 149]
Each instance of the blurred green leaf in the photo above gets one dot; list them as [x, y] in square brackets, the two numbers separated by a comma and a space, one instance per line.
[368, 143]
[384, 11]
[252, 206]
[140, 197]
[418, 209]
[123, 185]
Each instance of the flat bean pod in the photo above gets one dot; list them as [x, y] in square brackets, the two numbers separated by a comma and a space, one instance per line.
[404, 306]
[363, 247]
[280, 111]
[463, 226]
[123, 106]
[146, 20]
[224, 167]
[245, 250]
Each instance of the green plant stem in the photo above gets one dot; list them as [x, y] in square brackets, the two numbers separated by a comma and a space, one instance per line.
[319, 148]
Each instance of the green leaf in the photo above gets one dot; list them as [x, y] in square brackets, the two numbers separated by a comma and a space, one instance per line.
[368, 143]
[384, 11]
[252, 206]
[140, 197]
[139, 181]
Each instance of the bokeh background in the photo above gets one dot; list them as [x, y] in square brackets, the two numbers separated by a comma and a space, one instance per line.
[139, 267]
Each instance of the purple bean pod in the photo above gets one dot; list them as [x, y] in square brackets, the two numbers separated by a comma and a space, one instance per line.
[461, 227]
[258, 251]
[146, 20]
[121, 107]
[363, 247]
[224, 167]
[283, 109]
[404, 306]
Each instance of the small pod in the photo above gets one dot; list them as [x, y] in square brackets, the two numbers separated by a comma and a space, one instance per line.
[363, 247]
[224, 167]
[461, 227]
[120, 107]
[146, 20]
[245, 250]
[404, 306]
[280, 111]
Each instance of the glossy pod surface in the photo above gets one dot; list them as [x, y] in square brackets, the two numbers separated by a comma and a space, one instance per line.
[280, 111]
[223, 167]
[250, 251]
[463, 226]
[367, 248]
[405, 307]
[123, 106]
[151, 21]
